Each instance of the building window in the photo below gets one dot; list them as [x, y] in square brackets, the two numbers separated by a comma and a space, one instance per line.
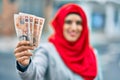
[98, 21]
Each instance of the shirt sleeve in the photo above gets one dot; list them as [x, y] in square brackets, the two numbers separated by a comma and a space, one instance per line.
[99, 75]
[37, 67]
[21, 67]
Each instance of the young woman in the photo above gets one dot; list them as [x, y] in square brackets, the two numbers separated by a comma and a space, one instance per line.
[68, 54]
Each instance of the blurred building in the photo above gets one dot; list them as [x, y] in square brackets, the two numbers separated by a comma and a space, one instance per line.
[7, 9]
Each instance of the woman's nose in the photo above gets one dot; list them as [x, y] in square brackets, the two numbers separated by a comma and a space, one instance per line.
[74, 26]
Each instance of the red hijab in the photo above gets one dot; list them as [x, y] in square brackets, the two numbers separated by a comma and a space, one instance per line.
[78, 56]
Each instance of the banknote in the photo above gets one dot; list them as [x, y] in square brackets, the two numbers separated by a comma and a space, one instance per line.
[29, 27]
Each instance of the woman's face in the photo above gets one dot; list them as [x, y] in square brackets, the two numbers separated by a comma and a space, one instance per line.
[72, 27]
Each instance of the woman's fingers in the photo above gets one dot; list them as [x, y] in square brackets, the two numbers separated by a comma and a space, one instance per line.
[23, 60]
[23, 48]
[23, 57]
[25, 43]
[24, 53]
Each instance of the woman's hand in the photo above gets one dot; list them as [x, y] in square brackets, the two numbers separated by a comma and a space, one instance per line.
[22, 52]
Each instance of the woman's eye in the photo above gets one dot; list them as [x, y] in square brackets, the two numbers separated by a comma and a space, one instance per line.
[78, 22]
[68, 21]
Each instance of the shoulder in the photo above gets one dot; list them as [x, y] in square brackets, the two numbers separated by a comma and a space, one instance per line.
[45, 45]
[95, 53]
[99, 75]
[46, 48]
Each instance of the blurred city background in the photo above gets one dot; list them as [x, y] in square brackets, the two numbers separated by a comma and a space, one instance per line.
[103, 20]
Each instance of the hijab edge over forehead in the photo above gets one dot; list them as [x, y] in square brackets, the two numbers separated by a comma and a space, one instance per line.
[58, 20]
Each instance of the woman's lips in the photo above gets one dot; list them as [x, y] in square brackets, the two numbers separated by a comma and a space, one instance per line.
[72, 33]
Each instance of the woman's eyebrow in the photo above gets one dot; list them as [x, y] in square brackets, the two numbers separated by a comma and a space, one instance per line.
[68, 21]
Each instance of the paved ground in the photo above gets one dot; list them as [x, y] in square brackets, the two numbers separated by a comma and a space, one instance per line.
[109, 57]
[7, 67]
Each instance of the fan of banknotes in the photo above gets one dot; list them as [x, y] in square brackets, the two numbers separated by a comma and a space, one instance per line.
[28, 27]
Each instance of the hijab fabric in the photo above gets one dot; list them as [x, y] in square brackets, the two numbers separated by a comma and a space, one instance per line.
[78, 56]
